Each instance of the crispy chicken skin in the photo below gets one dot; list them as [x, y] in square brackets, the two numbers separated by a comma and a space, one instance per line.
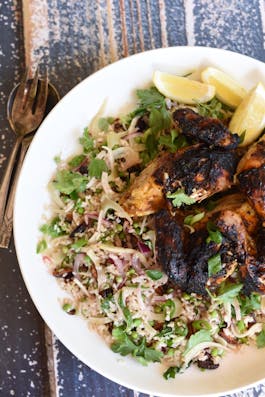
[185, 256]
[210, 131]
[196, 169]
[199, 171]
[251, 176]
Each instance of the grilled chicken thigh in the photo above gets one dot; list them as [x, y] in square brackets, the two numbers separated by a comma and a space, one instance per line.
[208, 130]
[251, 176]
[195, 170]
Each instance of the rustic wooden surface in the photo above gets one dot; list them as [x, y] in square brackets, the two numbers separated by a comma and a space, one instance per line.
[73, 39]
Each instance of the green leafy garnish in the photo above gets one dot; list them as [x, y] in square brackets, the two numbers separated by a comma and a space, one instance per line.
[214, 264]
[173, 142]
[214, 109]
[191, 219]
[170, 304]
[228, 291]
[249, 304]
[180, 197]
[150, 98]
[171, 372]
[124, 345]
[41, 246]
[87, 141]
[76, 161]
[260, 341]
[104, 122]
[154, 274]
[96, 167]
[77, 245]
[214, 234]
[126, 312]
[68, 181]
[53, 229]
[199, 337]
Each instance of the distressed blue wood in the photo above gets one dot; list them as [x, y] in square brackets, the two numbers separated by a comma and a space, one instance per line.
[233, 25]
[83, 37]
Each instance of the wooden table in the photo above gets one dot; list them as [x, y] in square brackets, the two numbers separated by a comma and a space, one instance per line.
[73, 39]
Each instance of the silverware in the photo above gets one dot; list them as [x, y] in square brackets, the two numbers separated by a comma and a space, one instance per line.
[25, 111]
[52, 97]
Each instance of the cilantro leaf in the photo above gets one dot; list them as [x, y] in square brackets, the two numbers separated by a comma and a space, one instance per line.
[214, 234]
[41, 246]
[68, 181]
[214, 264]
[150, 97]
[250, 303]
[76, 161]
[96, 167]
[87, 141]
[180, 197]
[171, 372]
[104, 122]
[53, 229]
[260, 341]
[174, 141]
[214, 109]
[199, 337]
[154, 274]
[191, 219]
[159, 119]
[228, 292]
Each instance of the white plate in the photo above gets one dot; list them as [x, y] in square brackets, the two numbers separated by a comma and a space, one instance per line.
[58, 135]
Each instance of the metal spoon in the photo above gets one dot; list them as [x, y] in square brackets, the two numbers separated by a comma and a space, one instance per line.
[7, 224]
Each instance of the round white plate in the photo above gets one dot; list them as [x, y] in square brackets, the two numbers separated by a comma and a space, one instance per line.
[58, 135]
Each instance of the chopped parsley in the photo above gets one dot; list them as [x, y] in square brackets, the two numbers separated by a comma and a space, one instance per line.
[68, 182]
[214, 234]
[180, 197]
[171, 372]
[191, 219]
[96, 167]
[214, 264]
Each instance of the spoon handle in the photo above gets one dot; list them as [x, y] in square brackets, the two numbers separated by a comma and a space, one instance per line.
[7, 224]
[7, 177]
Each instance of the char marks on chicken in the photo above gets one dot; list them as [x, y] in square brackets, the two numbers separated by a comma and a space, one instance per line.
[199, 171]
[208, 130]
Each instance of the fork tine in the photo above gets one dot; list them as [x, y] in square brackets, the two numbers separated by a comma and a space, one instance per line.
[21, 93]
[42, 96]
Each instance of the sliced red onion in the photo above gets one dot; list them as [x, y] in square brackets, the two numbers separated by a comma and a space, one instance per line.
[136, 265]
[143, 248]
[79, 260]
[46, 259]
[118, 263]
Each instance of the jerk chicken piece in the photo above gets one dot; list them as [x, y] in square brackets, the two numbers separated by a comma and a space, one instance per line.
[208, 130]
[251, 176]
[195, 170]
[185, 256]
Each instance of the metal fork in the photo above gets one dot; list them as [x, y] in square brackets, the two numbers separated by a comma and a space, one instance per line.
[25, 110]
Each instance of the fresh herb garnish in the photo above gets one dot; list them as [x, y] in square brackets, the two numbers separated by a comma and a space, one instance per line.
[154, 274]
[228, 291]
[96, 167]
[171, 372]
[191, 219]
[180, 197]
[260, 341]
[87, 141]
[124, 345]
[214, 109]
[41, 246]
[214, 264]
[199, 337]
[214, 234]
[77, 245]
[76, 161]
[173, 142]
[53, 229]
[104, 123]
[68, 181]
[250, 303]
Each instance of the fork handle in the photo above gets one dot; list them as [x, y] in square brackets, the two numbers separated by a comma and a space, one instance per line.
[7, 177]
[7, 224]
